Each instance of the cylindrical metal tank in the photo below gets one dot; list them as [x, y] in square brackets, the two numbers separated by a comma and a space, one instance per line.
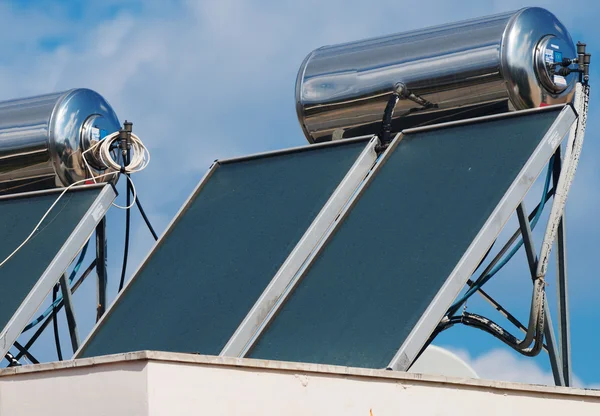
[42, 138]
[466, 69]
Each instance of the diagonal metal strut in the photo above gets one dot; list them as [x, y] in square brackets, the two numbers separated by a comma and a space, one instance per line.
[555, 360]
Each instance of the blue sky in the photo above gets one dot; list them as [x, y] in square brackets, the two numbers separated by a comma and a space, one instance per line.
[216, 78]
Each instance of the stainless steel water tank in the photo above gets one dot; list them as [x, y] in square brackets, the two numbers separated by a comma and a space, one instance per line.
[466, 69]
[42, 138]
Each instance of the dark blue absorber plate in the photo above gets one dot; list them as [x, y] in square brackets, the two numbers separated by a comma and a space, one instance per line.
[383, 267]
[18, 217]
[222, 251]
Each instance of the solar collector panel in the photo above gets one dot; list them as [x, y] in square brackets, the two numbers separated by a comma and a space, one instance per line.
[28, 276]
[407, 232]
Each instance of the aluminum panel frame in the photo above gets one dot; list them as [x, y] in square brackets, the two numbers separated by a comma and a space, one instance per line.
[56, 268]
[288, 274]
[411, 346]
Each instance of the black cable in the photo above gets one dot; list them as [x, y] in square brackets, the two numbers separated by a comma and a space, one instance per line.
[386, 123]
[486, 255]
[511, 318]
[124, 145]
[146, 220]
[497, 331]
[55, 324]
[127, 225]
[489, 326]
[60, 304]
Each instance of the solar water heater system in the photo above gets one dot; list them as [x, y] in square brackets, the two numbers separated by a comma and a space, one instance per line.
[60, 155]
[32, 272]
[43, 139]
[355, 249]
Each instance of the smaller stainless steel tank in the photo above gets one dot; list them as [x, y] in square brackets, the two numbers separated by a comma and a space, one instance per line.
[476, 67]
[42, 138]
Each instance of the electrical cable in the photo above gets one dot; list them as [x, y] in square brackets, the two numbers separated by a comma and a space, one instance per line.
[137, 163]
[146, 220]
[127, 227]
[55, 325]
[140, 161]
[37, 226]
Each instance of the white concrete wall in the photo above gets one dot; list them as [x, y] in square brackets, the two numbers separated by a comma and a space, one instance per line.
[243, 391]
[110, 389]
[153, 383]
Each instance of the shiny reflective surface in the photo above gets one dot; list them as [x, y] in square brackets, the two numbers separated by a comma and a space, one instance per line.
[42, 138]
[466, 69]
[549, 50]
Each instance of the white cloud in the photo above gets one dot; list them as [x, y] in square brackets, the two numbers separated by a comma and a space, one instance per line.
[503, 365]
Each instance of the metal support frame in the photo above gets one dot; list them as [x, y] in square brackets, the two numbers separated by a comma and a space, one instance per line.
[59, 264]
[514, 195]
[562, 286]
[499, 257]
[23, 352]
[102, 278]
[69, 311]
[553, 354]
[52, 316]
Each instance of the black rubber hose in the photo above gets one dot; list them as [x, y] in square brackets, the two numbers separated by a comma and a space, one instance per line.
[500, 333]
[55, 325]
[127, 226]
[146, 220]
[52, 316]
[386, 124]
